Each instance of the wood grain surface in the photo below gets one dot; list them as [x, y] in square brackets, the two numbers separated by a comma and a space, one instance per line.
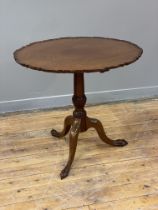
[80, 54]
[102, 177]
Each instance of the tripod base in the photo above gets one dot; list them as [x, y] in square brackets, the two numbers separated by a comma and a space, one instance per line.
[79, 122]
[73, 126]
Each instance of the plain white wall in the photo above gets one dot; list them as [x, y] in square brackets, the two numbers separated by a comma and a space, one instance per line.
[22, 22]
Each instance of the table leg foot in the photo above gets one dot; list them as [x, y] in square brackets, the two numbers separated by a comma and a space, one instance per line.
[67, 125]
[73, 138]
[94, 123]
[120, 142]
[65, 172]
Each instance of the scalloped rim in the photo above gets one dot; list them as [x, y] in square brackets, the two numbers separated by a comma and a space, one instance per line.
[77, 71]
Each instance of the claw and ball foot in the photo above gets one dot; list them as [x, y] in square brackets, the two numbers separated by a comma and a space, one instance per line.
[73, 137]
[94, 123]
[67, 126]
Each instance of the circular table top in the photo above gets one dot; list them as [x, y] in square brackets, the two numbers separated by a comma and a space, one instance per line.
[78, 54]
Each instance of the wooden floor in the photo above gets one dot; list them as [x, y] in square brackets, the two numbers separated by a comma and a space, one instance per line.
[102, 177]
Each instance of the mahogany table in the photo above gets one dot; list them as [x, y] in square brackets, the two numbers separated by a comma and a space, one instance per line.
[79, 55]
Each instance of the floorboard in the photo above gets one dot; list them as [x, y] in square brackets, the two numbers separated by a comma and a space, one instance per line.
[102, 177]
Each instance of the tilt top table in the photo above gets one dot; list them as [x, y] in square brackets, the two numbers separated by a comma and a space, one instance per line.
[78, 55]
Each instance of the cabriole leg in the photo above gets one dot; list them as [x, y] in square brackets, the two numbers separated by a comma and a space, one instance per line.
[67, 125]
[94, 123]
[73, 138]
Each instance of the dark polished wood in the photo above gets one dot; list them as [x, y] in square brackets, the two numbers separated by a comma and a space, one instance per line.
[79, 122]
[97, 125]
[67, 125]
[79, 100]
[73, 138]
[78, 55]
